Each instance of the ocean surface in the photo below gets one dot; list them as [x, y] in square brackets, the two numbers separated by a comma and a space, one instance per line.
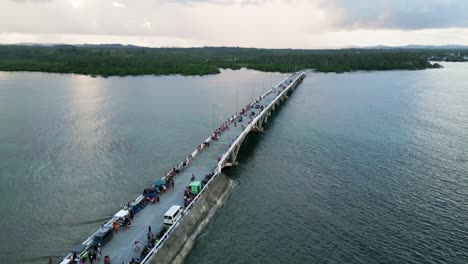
[366, 167]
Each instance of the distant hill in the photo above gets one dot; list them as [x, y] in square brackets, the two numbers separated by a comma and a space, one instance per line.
[109, 46]
[103, 46]
[380, 47]
[432, 47]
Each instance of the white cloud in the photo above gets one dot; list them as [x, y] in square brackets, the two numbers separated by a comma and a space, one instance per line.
[118, 4]
[146, 23]
[76, 3]
[253, 23]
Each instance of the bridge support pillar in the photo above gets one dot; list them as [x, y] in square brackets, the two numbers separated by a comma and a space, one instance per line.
[259, 125]
[257, 129]
[231, 164]
[231, 161]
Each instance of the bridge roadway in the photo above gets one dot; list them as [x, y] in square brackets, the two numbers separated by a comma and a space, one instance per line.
[219, 154]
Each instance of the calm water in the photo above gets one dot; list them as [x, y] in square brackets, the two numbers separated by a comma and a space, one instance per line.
[355, 168]
[74, 149]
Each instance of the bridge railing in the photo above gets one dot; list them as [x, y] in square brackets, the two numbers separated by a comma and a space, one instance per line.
[184, 213]
[194, 155]
[255, 120]
[218, 168]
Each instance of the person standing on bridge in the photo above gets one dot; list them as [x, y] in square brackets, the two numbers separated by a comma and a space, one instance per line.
[92, 256]
[137, 246]
[99, 253]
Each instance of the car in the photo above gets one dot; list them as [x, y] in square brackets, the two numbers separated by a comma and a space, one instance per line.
[173, 214]
[104, 235]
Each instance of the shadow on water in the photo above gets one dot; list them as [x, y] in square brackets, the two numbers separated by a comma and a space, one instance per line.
[101, 220]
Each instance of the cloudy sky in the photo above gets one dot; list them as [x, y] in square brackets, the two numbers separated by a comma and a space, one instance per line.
[246, 23]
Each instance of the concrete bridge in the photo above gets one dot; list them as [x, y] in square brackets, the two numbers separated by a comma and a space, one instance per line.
[279, 94]
[218, 151]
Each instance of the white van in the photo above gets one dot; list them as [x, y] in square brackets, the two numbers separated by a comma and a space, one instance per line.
[174, 213]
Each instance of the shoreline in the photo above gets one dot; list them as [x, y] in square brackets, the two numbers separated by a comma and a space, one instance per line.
[208, 74]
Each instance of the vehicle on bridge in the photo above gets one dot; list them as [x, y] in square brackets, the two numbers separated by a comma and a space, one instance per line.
[150, 192]
[195, 187]
[103, 236]
[173, 214]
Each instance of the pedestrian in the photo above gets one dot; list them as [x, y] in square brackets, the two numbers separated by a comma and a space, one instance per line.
[99, 254]
[95, 254]
[50, 261]
[172, 183]
[128, 223]
[149, 229]
[137, 246]
[92, 256]
[107, 260]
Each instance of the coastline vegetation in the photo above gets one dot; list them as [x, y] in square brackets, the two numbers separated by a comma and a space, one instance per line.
[112, 60]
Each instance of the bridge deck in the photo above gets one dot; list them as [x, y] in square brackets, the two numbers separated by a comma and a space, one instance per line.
[121, 247]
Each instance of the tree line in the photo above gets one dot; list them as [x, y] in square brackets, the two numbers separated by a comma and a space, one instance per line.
[111, 60]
